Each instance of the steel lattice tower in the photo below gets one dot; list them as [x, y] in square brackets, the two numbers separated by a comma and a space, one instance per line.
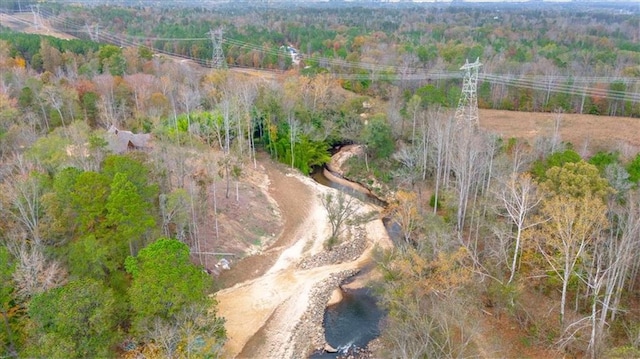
[36, 16]
[217, 61]
[467, 111]
[94, 32]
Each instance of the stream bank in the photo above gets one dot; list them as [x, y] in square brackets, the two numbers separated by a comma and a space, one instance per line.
[276, 310]
[352, 317]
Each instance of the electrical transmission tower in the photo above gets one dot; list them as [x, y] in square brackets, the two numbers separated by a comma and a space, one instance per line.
[467, 111]
[218, 60]
[36, 16]
[93, 31]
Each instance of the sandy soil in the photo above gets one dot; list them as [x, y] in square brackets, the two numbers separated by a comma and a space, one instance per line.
[274, 294]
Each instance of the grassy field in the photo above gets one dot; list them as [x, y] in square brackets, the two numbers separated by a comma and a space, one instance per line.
[588, 133]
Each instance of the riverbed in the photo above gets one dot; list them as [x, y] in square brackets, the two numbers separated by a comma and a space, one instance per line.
[268, 316]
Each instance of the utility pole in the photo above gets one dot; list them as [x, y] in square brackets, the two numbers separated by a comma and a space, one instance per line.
[217, 60]
[36, 15]
[467, 111]
[94, 32]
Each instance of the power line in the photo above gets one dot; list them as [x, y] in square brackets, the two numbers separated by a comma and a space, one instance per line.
[557, 84]
[563, 88]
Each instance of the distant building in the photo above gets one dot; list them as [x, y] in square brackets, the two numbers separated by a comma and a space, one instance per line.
[119, 141]
[295, 55]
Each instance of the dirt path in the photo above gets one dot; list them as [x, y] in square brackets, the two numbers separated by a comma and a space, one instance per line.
[292, 198]
[270, 293]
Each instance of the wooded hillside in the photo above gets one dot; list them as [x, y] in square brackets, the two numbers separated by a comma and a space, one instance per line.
[113, 158]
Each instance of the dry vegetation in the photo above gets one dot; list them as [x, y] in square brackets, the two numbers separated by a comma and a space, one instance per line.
[274, 221]
[583, 131]
[24, 23]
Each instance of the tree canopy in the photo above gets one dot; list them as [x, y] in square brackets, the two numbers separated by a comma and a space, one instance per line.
[164, 282]
[77, 320]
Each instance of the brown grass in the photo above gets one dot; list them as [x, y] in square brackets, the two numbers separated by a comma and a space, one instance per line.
[23, 23]
[588, 133]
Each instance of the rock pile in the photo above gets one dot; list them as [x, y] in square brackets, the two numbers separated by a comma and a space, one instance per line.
[345, 252]
[357, 353]
[309, 331]
[363, 353]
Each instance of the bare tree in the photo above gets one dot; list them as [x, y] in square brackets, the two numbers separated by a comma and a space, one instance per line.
[175, 209]
[519, 158]
[166, 336]
[469, 157]
[188, 334]
[189, 97]
[432, 328]
[247, 95]
[34, 273]
[105, 85]
[339, 208]
[425, 146]
[429, 315]
[518, 197]
[53, 97]
[194, 228]
[405, 212]
[410, 159]
[556, 139]
[176, 162]
[142, 87]
[294, 132]
[443, 128]
[168, 87]
[414, 110]
[23, 192]
[610, 267]
[550, 76]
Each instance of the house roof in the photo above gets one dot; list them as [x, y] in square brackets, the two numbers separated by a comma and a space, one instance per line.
[121, 141]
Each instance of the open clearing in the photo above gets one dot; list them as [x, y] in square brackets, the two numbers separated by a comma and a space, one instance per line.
[594, 132]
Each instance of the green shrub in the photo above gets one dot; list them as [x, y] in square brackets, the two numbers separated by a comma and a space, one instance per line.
[555, 159]
[503, 296]
[432, 201]
[331, 242]
[624, 352]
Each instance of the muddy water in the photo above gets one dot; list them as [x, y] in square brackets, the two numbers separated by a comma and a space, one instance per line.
[352, 323]
[327, 178]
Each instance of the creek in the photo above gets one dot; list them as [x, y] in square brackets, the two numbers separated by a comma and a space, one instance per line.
[322, 174]
[354, 321]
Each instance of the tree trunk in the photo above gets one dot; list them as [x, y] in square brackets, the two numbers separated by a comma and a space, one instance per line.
[227, 177]
[215, 210]
[194, 223]
[565, 283]
[11, 349]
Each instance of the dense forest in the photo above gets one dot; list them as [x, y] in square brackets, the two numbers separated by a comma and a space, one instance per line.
[535, 58]
[94, 238]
